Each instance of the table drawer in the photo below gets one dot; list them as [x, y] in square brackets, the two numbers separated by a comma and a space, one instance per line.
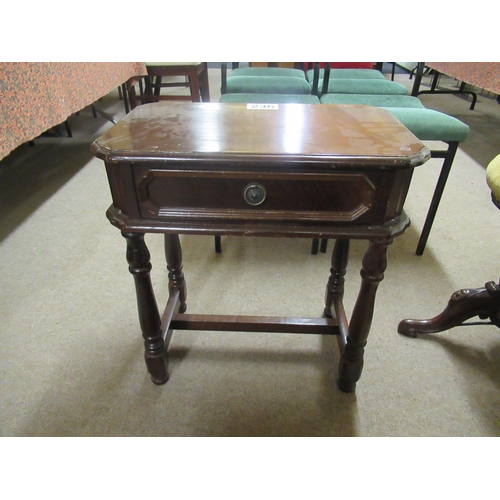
[343, 197]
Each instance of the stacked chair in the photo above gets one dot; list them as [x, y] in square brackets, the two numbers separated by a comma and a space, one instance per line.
[360, 86]
[261, 85]
[352, 81]
[425, 124]
[266, 85]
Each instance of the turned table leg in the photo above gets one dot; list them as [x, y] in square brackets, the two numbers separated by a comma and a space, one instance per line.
[176, 281]
[138, 258]
[335, 286]
[372, 273]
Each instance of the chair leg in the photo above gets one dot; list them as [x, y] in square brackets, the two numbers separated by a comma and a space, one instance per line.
[68, 129]
[218, 247]
[223, 77]
[148, 89]
[314, 247]
[131, 93]
[123, 91]
[194, 86]
[157, 85]
[418, 70]
[448, 156]
[204, 85]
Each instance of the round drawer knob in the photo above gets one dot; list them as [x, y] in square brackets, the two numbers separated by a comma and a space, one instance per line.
[254, 193]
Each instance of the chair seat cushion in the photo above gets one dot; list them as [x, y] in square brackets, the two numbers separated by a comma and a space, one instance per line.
[270, 98]
[431, 125]
[349, 74]
[391, 101]
[267, 85]
[493, 177]
[258, 71]
[359, 86]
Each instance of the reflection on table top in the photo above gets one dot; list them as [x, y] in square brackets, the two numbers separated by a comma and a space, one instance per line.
[301, 131]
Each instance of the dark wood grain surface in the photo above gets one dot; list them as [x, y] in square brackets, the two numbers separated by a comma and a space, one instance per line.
[320, 132]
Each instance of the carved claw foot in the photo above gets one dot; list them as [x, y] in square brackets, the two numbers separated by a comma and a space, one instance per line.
[463, 305]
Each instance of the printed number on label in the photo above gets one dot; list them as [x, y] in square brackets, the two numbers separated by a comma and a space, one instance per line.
[262, 106]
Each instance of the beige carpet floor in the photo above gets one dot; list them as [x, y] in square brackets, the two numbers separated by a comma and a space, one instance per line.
[71, 359]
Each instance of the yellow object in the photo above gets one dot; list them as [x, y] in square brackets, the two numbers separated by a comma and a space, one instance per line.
[493, 176]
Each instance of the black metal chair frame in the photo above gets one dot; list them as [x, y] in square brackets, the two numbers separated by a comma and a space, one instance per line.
[419, 71]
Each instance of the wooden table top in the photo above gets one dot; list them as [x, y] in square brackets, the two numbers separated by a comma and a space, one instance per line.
[290, 132]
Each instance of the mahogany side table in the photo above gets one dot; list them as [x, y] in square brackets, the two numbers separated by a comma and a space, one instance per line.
[289, 170]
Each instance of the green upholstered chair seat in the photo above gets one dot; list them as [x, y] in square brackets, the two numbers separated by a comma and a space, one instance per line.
[267, 85]
[493, 177]
[431, 125]
[397, 101]
[258, 71]
[359, 86]
[349, 74]
[426, 124]
[270, 98]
